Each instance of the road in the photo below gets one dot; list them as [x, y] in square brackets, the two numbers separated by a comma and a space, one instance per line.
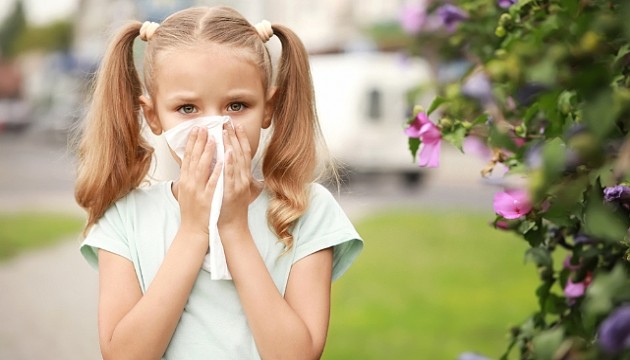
[48, 299]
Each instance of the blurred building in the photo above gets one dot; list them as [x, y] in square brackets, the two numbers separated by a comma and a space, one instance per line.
[324, 25]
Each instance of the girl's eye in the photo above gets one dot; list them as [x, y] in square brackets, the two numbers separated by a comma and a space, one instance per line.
[187, 109]
[236, 107]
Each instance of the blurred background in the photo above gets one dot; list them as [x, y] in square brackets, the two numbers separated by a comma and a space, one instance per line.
[425, 286]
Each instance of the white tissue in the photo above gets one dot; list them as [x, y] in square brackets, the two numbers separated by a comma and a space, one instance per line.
[177, 138]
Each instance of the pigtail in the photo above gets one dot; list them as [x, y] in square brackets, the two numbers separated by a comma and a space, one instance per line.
[290, 158]
[113, 157]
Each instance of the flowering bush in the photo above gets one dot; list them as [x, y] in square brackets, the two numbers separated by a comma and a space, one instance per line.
[545, 85]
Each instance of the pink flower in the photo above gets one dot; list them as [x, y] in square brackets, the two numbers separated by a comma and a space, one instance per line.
[475, 146]
[512, 204]
[501, 224]
[574, 290]
[430, 137]
[412, 18]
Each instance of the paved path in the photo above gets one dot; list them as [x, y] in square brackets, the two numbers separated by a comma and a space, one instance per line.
[49, 296]
[48, 306]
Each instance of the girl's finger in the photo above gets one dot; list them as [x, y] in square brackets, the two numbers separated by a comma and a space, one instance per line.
[228, 169]
[244, 144]
[214, 177]
[239, 161]
[205, 161]
[198, 147]
[192, 138]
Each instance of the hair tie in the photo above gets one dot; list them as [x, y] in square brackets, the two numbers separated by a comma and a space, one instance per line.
[264, 30]
[147, 30]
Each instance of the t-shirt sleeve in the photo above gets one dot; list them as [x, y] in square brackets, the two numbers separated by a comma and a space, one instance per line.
[108, 234]
[326, 225]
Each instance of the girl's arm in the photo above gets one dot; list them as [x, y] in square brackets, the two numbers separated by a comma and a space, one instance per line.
[293, 327]
[136, 326]
[289, 327]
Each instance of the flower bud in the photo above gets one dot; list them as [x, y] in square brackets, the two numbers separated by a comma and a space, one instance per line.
[505, 19]
[500, 31]
[446, 123]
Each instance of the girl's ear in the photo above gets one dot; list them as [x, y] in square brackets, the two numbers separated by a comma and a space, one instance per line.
[269, 107]
[150, 115]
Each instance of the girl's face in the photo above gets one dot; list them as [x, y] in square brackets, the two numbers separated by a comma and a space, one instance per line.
[209, 80]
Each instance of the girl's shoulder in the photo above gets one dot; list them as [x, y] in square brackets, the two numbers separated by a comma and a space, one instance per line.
[147, 195]
[319, 195]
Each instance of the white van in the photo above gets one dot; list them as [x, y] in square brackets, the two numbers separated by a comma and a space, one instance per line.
[363, 105]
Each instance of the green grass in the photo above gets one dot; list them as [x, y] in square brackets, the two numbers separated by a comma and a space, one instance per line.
[28, 230]
[430, 286]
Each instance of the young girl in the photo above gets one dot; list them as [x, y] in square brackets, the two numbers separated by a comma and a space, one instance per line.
[284, 238]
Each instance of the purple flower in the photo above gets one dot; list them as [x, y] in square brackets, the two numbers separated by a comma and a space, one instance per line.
[451, 15]
[617, 193]
[534, 156]
[504, 4]
[528, 93]
[614, 332]
[413, 17]
[581, 238]
[478, 87]
[471, 356]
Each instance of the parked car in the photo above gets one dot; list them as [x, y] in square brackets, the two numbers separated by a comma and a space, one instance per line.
[363, 103]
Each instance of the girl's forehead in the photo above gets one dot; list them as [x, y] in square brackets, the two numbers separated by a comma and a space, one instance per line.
[199, 67]
[208, 51]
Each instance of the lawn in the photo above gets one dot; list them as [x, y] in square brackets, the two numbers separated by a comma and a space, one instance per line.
[430, 286]
[27, 230]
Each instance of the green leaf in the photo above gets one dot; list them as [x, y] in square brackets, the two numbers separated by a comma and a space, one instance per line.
[456, 137]
[600, 114]
[555, 304]
[542, 293]
[530, 113]
[481, 119]
[501, 139]
[623, 51]
[554, 155]
[548, 103]
[539, 256]
[602, 292]
[602, 221]
[547, 343]
[414, 145]
[536, 234]
[436, 103]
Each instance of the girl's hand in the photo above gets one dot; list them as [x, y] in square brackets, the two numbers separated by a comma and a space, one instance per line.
[197, 181]
[237, 177]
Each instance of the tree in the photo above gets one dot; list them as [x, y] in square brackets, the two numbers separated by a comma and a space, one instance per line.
[11, 29]
[545, 85]
[56, 36]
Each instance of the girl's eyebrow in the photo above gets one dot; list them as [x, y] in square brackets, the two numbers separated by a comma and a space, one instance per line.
[240, 93]
[182, 96]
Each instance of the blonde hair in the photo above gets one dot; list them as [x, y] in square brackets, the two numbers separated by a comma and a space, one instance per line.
[113, 156]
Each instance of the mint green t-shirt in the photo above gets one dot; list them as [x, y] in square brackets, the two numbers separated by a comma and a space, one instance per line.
[140, 226]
